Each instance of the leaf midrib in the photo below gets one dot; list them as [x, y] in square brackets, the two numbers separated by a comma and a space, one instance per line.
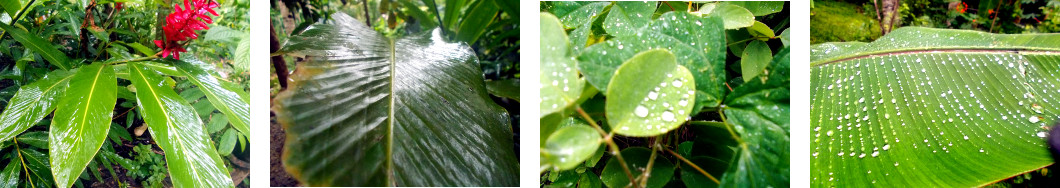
[857, 56]
[390, 123]
[165, 114]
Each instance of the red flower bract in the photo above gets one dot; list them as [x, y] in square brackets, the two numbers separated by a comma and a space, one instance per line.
[182, 24]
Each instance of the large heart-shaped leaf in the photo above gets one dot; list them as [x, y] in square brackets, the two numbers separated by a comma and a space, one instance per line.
[365, 110]
[174, 125]
[695, 42]
[81, 121]
[932, 107]
[32, 102]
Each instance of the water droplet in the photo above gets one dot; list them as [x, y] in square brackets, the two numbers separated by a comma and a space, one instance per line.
[1035, 119]
[668, 116]
[895, 163]
[555, 82]
[965, 137]
[677, 83]
[1042, 134]
[641, 111]
[653, 95]
[683, 102]
[829, 133]
[886, 147]
[875, 153]
[620, 46]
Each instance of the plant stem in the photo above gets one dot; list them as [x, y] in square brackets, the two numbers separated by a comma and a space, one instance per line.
[611, 144]
[277, 61]
[692, 165]
[748, 39]
[721, 112]
[651, 162]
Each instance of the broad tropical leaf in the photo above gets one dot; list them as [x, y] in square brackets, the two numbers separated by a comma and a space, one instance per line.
[191, 158]
[649, 95]
[32, 102]
[958, 108]
[81, 121]
[366, 110]
[227, 101]
[39, 45]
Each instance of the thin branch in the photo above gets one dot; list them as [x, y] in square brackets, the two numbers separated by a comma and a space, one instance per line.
[367, 17]
[611, 144]
[277, 61]
[692, 165]
[651, 162]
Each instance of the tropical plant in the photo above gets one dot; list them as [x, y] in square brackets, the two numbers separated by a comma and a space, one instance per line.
[90, 64]
[932, 107]
[639, 79]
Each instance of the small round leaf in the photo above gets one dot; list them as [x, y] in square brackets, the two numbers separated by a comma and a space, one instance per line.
[649, 95]
[637, 159]
[570, 146]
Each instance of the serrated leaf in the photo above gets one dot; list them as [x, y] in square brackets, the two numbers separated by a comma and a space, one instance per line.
[628, 17]
[560, 85]
[191, 158]
[756, 57]
[32, 102]
[569, 146]
[404, 98]
[39, 45]
[81, 121]
[227, 101]
[636, 159]
[693, 40]
[650, 95]
[966, 108]
[735, 16]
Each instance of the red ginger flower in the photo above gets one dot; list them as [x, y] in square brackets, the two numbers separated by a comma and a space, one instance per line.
[182, 24]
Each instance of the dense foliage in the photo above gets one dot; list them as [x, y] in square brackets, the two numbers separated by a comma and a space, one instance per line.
[690, 94]
[118, 105]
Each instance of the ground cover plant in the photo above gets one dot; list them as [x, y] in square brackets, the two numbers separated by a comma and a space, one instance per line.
[654, 94]
[123, 94]
[933, 107]
[395, 93]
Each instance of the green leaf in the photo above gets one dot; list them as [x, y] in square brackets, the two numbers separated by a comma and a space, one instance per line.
[735, 16]
[569, 146]
[37, 139]
[760, 8]
[560, 85]
[191, 158]
[81, 121]
[637, 159]
[228, 142]
[761, 31]
[11, 7]
[39, 45]
[591, 162]
[36, 162]
[692, 39]
[477, 21]
[585, 20]
[589, 180]
[117, 133]
[217, 123]
[10, 176]
[372, 111]
[144, 50]
[649, 95]
[760, 114]
[785, 37]
[241, 58]
[965, 108]
[628, 17]
[508, 88]
[227, 101]
[755, 59]
[32, 102]
[451, 14]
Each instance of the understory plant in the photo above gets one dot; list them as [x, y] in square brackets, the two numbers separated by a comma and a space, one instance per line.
[932, 107]
[82, 90]
[667, 93]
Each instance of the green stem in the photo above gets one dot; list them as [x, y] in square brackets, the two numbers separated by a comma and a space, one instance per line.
[748, 39]
[611, 144]
[693, 165]
[651, 162]
[728, 126]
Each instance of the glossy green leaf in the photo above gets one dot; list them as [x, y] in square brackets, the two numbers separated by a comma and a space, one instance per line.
[190, 156]
[760, 113]
[217, 123]
[759, 29]
[628, 17]
[650, 95]
[785, 37]
[735, 16]
[32, 102]
[227, 101]
[755, 59]
[760, 8]
[36, 167]
[569, 146]
[11, 7]
[477, 20]
[241, 58]
[637, 160]
[961, 108]
[593, 160]
[39, 45]
[10, 176]
[144, 50]
[451, 14]
[508, 88]
[560, 85]
[37, 139]
[582, 20]
[228, 142]
[371, 111]
[693, 40]
[81, 121]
